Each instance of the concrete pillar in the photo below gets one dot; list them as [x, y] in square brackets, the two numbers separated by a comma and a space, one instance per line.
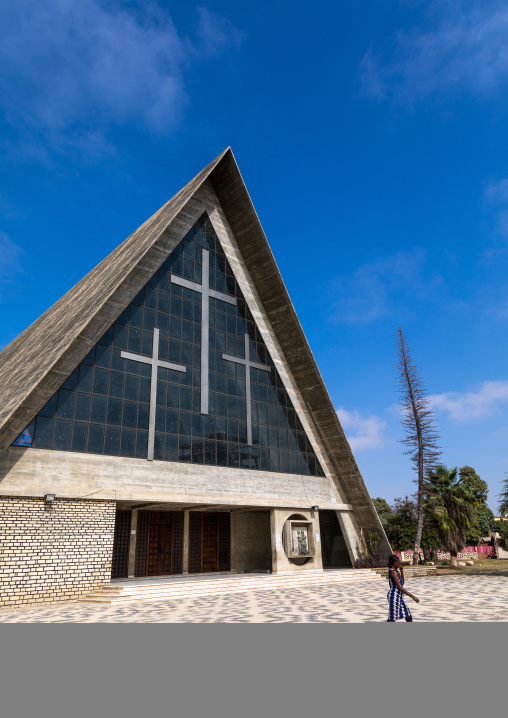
[351, 533]
[318, 559]
[132, 543]
[276, 538]
[185, 557]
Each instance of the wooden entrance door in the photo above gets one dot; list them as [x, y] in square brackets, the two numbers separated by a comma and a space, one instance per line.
[209, 542]
[160, 539]
[159, 544]
[210, 555]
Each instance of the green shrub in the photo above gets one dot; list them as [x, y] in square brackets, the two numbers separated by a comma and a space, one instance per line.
[445, 562]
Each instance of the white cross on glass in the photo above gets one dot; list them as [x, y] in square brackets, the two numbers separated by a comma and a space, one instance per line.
[155, 363]
[247, 364]
[206, 293]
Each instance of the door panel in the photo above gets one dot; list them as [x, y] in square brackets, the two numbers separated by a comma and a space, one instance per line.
[120, 558]
[142, 543]
[210, 543]
[195, 540]
[224, 534]
[160, 543]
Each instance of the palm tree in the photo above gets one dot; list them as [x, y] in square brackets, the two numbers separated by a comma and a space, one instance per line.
[451, 506]
[503, 499]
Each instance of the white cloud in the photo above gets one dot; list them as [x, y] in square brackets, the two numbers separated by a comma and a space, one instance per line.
[10, 261]
[363, 432]
[216, 33]
[460, 46]
[497, 192]
[379, 288]
[71, 68]
[463, 406]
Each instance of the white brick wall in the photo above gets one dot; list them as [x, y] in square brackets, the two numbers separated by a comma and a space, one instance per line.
[53, 552]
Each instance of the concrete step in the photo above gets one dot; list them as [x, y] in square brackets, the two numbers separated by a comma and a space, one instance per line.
[410, 571]
[214, 587]
[226, 586]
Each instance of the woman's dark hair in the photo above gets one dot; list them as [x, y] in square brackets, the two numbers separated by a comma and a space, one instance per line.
[393, 559]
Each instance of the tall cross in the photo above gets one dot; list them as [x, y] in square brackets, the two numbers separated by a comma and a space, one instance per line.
[156, 363]
[206, 293]
[247, 364]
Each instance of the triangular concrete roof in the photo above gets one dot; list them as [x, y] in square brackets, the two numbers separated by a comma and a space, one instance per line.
[37, 362]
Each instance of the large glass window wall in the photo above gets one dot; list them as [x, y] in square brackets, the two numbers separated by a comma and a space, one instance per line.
[103, 407]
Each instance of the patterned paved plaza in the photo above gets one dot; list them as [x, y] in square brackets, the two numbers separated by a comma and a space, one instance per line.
[442, 598]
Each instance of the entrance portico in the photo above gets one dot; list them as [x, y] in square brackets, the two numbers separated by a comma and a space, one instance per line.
[163, 539]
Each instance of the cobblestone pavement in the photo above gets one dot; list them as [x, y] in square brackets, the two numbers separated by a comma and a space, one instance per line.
[443, 598]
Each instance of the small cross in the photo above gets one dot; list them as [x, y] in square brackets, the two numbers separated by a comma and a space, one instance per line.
[156, 363]
[206, 293]
[247, 364]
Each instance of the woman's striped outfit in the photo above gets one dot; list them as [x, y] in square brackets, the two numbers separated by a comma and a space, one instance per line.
[396, 603]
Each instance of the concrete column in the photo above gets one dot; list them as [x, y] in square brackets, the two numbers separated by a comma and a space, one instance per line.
[351, 533]
[276, 538]
[185, 558]
[318, 558]
[132, 543]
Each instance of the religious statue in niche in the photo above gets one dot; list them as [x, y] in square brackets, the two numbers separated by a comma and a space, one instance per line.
[301, 541]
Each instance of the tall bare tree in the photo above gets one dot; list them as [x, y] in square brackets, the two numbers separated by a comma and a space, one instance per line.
[418, 421]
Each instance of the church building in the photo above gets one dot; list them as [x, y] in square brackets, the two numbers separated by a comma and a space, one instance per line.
[167, 417]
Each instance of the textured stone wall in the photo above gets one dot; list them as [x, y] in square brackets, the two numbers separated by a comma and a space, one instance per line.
[53, 552]
[251, 541]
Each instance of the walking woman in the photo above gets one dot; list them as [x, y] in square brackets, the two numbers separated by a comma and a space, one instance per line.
[396, 603]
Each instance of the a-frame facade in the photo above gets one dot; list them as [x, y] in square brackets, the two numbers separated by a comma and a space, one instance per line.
[166, 416]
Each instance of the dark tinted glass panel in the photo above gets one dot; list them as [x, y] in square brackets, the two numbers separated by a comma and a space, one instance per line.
[141, 445]
[171, 453]
[158, 446]
[82, 407]
[62, 437]
[96, 439]
[112, 441]
[101, 381]
[116, 384]
[103, 406]
[128, 443]
[103, 356]
[50, 408]
[85, 378]
[72, 381]
[98, 409]
[43, 433]
[114, 416]
[130, 410]
[79, 436]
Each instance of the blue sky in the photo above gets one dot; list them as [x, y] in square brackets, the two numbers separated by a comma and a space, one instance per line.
[372, 137]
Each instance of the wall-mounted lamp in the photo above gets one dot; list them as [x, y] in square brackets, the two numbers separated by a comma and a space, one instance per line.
[315, 508]
[49, 498]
